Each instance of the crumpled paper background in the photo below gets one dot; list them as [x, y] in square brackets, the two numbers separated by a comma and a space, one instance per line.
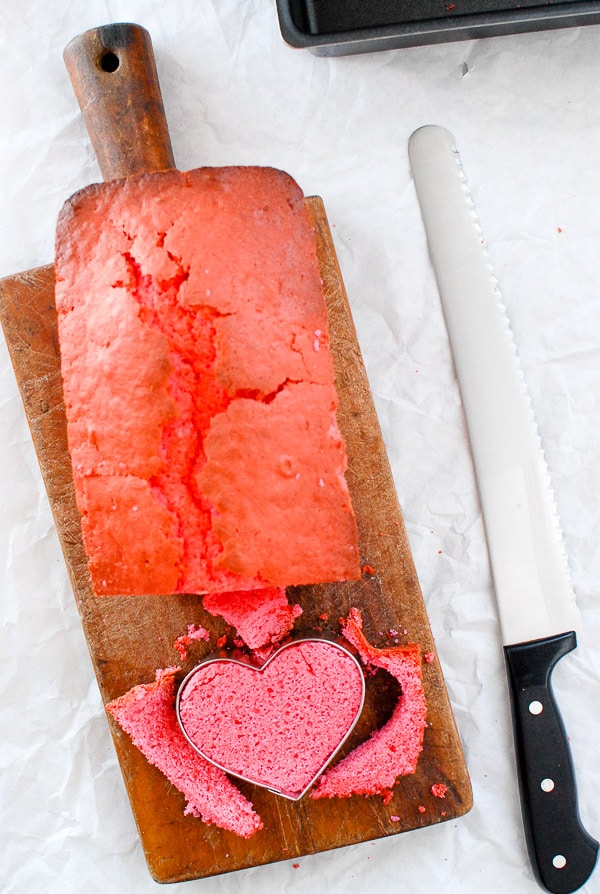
[525, 111]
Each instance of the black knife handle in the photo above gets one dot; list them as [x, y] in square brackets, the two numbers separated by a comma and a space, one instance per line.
[562, 853]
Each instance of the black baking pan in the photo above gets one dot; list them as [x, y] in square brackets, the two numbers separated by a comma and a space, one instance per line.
[344, 27]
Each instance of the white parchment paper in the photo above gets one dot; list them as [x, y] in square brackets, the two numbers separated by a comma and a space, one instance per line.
[525, 111]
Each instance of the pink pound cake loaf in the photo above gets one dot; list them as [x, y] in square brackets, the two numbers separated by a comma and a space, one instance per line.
[277, 726]
[199, 386]
[147, 714]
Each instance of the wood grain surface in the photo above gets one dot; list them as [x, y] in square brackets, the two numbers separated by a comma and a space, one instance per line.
[130, 637]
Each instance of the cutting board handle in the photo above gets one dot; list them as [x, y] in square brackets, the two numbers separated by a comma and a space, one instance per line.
[114, 76]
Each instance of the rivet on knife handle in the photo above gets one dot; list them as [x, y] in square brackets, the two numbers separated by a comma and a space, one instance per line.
[113, 72]
[538, 615]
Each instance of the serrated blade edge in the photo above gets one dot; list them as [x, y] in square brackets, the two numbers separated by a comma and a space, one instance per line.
[527, 555]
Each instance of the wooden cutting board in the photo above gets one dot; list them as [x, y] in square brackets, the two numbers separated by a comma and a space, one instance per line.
[130, 637]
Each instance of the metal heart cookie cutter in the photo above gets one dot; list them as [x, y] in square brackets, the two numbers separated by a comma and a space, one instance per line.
[278, 725]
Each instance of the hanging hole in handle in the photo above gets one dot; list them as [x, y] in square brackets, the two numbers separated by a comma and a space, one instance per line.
[109, 61]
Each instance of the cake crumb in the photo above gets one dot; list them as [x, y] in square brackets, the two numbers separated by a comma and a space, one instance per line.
[194, 633]
[429, 657]
[394, 818]
[439, 790]
[368, 569]
[421, 808]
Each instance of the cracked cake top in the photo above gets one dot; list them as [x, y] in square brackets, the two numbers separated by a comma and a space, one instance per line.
[199, 385]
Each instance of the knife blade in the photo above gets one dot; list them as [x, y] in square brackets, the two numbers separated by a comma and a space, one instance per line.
[539, 620]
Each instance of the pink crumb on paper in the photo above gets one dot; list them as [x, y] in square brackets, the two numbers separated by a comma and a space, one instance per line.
[439, 790]
[194, 633]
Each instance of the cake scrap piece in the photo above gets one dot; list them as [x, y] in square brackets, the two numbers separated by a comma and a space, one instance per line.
[199, 386]
[147, 714]
[261, 618]
[392, 751]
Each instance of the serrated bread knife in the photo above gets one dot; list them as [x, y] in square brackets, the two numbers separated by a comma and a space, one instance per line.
[538, 617]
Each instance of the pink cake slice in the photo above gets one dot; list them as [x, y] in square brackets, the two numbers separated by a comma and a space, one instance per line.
[374, 766]
[147, 714]
[261, 618]
[279, 725]
[199, 386]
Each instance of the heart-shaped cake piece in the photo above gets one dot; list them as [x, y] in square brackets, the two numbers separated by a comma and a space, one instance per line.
[279, 725]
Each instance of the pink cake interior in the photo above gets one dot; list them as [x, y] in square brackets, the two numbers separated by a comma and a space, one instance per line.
[375, 765]
[147, 714]
[199, 385]
[278, 726]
